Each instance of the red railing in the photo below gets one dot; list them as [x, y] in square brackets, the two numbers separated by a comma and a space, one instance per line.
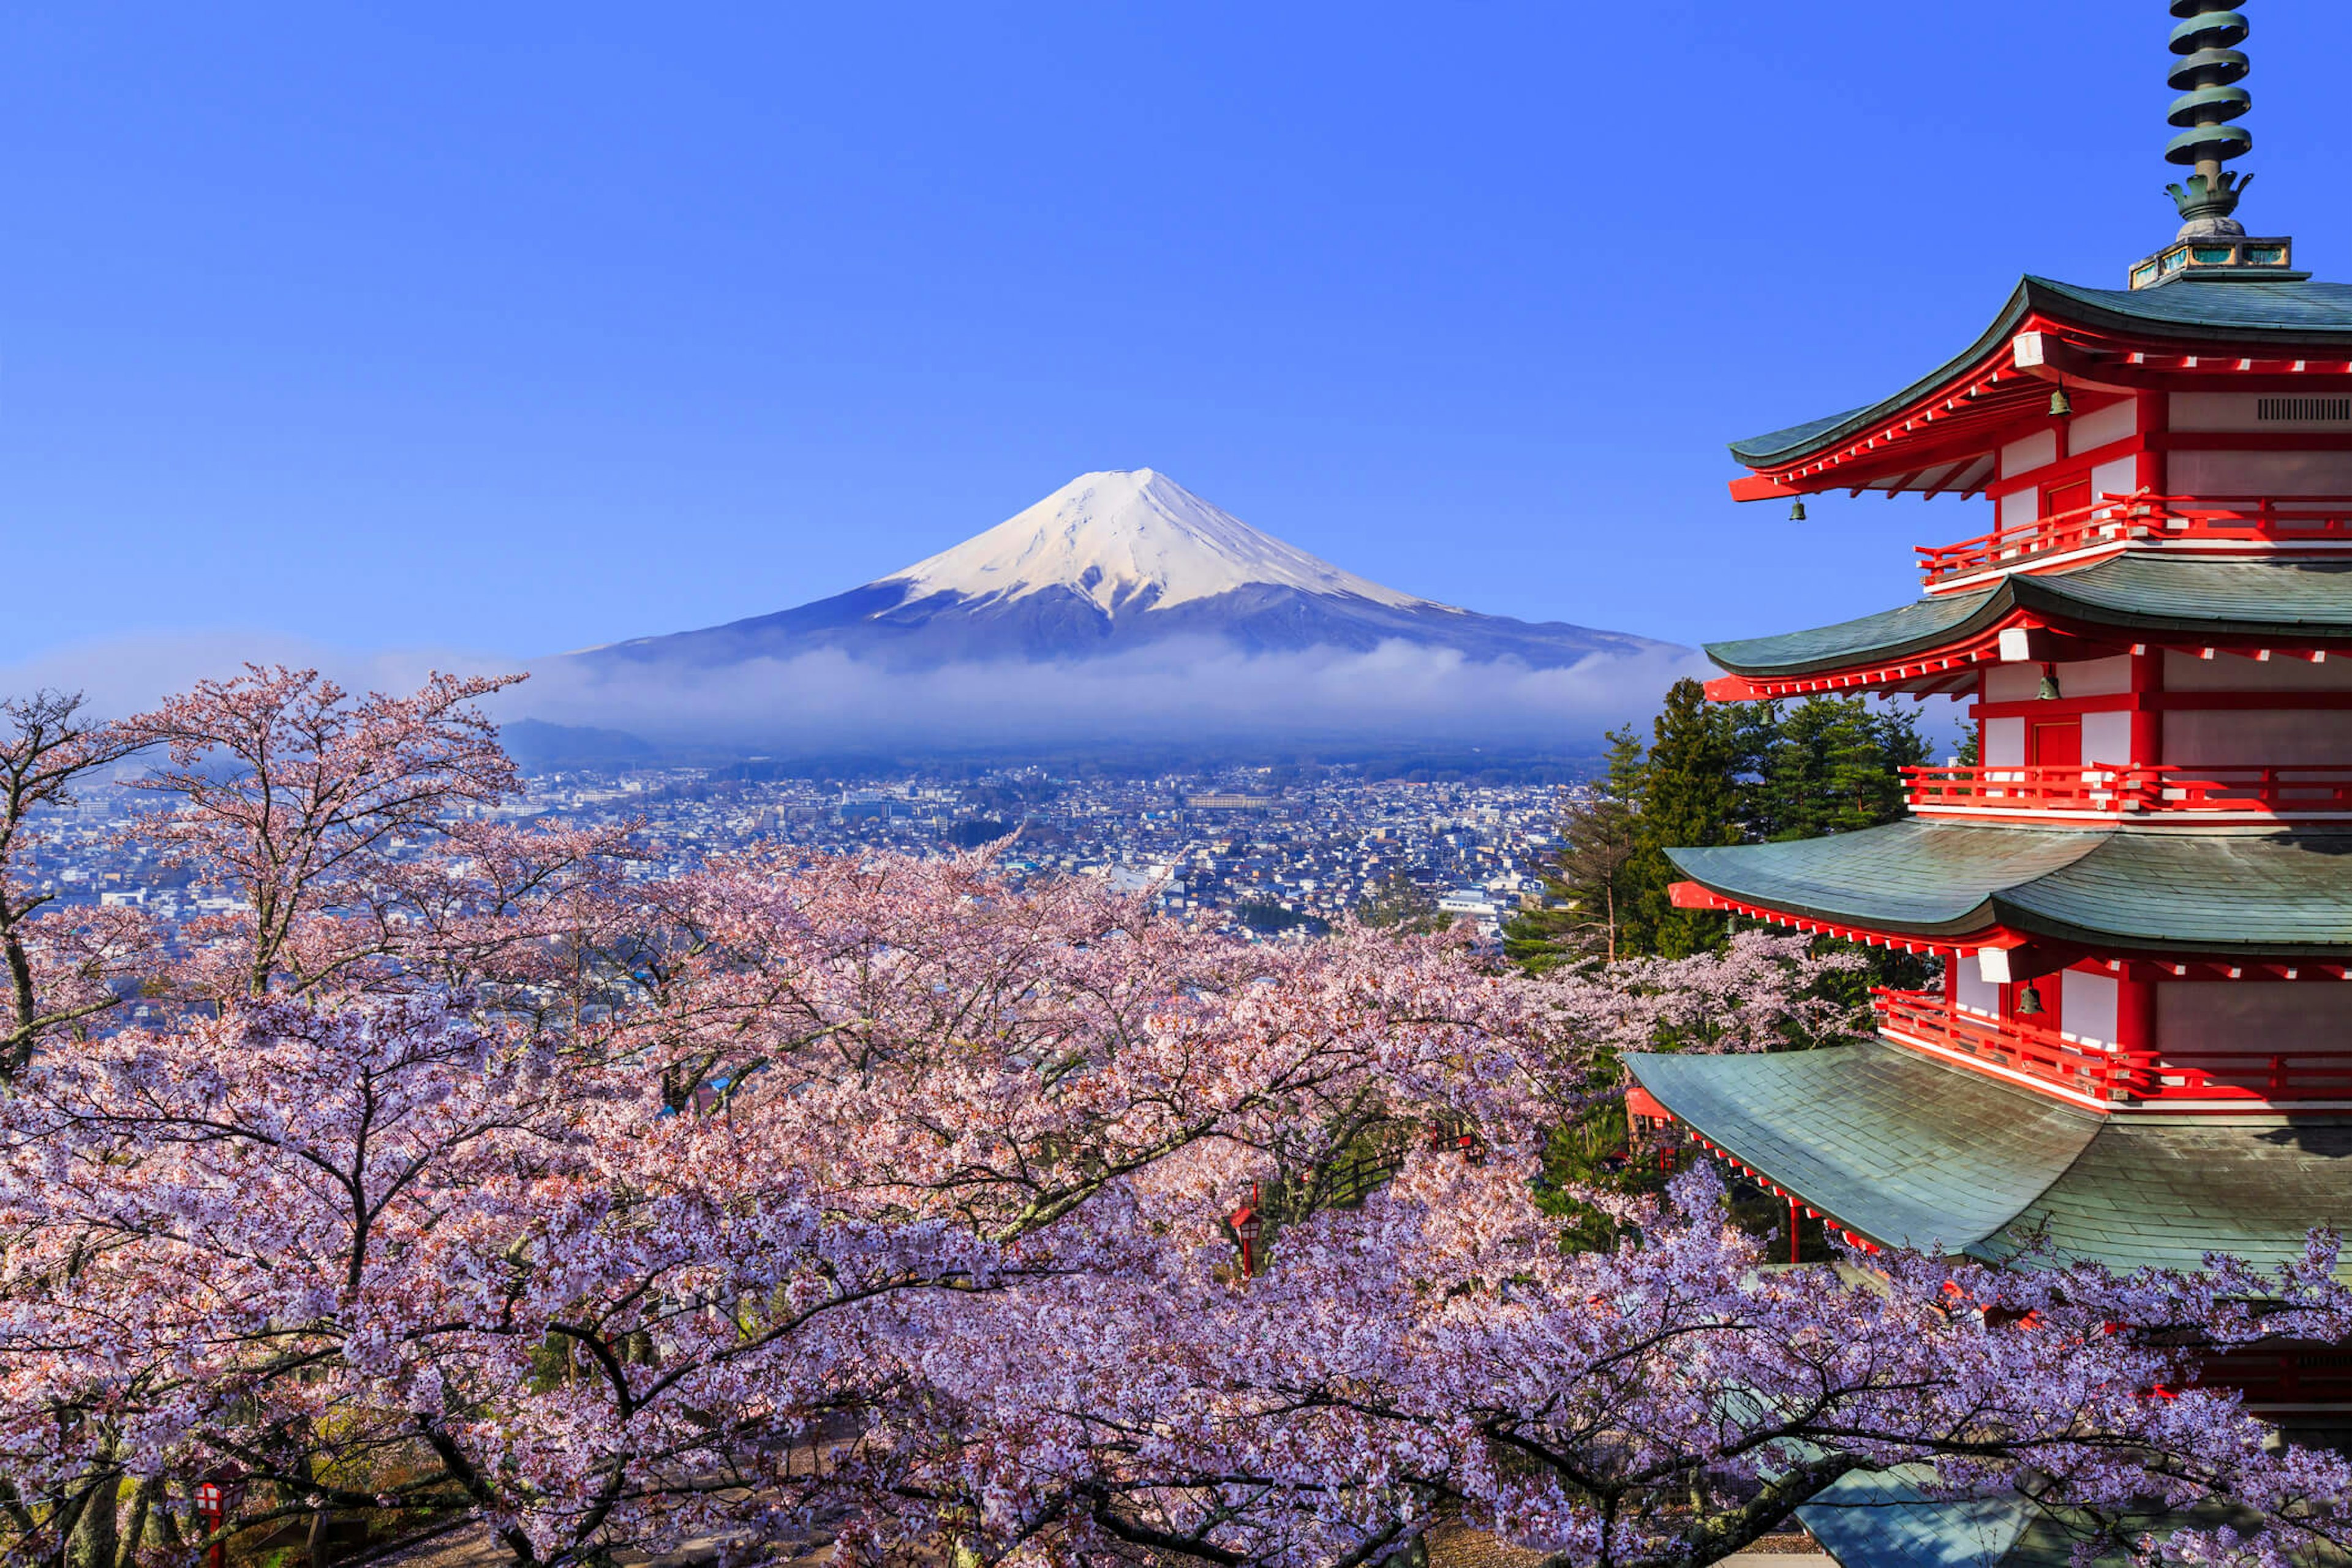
[2039, 1052]
[2300, 790]
[2115, 520]
[2019, 1045]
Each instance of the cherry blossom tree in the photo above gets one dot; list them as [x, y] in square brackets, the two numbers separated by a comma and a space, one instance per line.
[59, 968]
[485, 1180]
[1662, 1403]
[292, 792]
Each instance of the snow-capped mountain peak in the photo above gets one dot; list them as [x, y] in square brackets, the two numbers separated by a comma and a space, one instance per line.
[1129, 539]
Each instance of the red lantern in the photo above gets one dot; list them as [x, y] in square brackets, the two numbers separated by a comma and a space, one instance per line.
[212, 1507]
[1246, 1225]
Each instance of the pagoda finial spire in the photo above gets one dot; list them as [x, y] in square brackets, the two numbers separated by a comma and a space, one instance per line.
[2205, 76]
[2212, 247]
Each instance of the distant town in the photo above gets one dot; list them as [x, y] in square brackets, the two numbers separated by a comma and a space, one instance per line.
[1284, 850]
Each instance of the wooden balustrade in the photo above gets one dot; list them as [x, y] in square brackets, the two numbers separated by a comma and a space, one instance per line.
[2100, 1073]
[2123, 519]
[2018, 1044]
[2116, 789]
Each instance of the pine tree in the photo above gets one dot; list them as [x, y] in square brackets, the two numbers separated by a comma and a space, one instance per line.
[1691, 799]
[1590, 891]
[1831, 764]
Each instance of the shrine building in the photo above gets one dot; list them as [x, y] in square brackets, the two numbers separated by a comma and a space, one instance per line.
[2141, 888]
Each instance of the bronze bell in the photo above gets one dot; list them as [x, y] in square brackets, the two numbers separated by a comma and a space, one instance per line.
[2061, 404]
[2028, 1001]
[1797, 512]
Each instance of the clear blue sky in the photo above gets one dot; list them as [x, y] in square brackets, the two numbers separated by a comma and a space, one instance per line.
[519, 327]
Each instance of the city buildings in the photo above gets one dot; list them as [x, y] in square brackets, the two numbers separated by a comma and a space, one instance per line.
[1291, 855]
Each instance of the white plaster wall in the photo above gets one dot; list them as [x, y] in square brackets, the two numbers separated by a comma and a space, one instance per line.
[2234, 672]
[2011, 682]
[2255, 1017]
[2260, 473]
[1977, 994]
[2086, 1009]
[2038, 450]
[2236, 411]
[2019, 508]
[2257, 737]
[2119, 478]
[2101, 426]
[2004, 742]
[2086, 678]
[2106, 737]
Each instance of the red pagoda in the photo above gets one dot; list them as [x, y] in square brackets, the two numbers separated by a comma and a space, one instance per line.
[2141, 889]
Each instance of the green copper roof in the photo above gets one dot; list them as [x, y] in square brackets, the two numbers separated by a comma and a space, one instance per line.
[1912, 1153]
[1892, 1518]
[2278, 895]
[2148, 593]
[2165, 1192]
[2252, 312]
[1843, 1128]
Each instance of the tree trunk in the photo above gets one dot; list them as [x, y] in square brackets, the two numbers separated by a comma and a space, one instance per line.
[142, 1503]
[94, 1543]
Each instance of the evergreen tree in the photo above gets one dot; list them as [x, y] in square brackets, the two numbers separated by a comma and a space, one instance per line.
[1831, 764]
[1691, 799]
[1589, 890]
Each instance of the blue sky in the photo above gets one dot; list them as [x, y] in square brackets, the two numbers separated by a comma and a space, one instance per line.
[522, 327]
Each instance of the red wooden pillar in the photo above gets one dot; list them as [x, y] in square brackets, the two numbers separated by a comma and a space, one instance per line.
[1796, 1221]
[2136, 1030]
[2146, 718]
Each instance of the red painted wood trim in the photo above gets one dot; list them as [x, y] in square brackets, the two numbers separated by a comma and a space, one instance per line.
[2253, 441]
[2169, 703]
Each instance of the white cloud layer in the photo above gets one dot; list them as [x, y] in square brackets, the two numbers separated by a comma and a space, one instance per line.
[1168, 692]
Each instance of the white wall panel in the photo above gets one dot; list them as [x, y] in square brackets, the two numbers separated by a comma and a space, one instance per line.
[2253, 1017]
[2038, 450]
[2101, 426]
[2214, 738]
[2233, 672]
[1976, 993]
[2087, 1009]
[2260, 473]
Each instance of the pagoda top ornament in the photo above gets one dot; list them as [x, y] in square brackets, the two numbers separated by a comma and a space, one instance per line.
[2213, 244]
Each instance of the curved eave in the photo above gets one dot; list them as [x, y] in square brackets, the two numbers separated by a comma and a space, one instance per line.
[2316, 315]
[2275, 896]
[2138, 597]
[1911, 1153]
[1924, 628]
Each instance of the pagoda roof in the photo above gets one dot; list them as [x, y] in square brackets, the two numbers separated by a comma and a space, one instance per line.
[2278, 895]
[2146, 595]
[1908, 1151]
[1899, 1518]
[1980, 389]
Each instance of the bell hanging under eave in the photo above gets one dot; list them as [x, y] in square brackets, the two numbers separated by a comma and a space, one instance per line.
[2029, 1002]
[2061, 404]
[1797, 512]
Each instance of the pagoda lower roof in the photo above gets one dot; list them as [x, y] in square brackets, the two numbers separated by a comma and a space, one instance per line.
[2137, 597]
[1910, 1152]
[2224, 893]
[2254, 313]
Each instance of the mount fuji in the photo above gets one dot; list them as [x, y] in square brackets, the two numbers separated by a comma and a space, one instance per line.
[1110, 564]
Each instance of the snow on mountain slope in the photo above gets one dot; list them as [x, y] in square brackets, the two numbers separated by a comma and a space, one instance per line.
[1130, 540]
[1107, 565]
